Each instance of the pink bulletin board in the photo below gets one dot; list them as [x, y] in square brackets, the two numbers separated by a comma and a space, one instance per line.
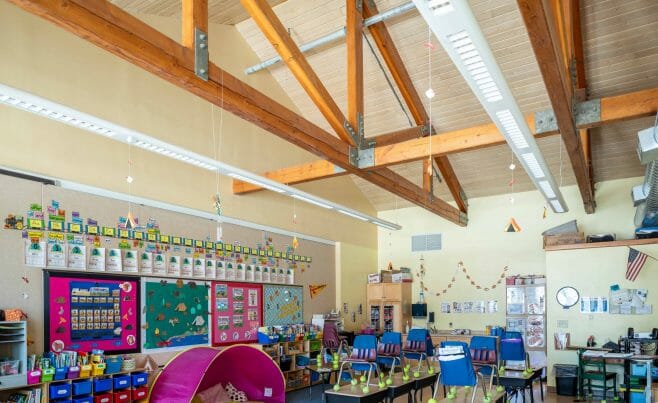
[85, 312]
[237, 312]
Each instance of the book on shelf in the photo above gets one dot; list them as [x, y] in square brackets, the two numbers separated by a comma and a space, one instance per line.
[25, 396]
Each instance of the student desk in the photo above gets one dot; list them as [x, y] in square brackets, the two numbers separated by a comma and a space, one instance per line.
[400, 387]
[464, 395]
[354, 394]
[324, 373]
[423, 381]
[521, 380]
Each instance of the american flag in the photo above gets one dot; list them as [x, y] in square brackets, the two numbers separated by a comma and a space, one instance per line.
[636, 260]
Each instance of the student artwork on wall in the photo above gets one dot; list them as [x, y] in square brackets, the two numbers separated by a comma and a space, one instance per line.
[84, 312]
[237, 312]
[176, 314]
[282, 305]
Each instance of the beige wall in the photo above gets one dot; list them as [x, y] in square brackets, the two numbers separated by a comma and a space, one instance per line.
[485, 249]
[43, 59]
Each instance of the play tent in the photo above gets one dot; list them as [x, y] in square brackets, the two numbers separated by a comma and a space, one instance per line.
[199, 368]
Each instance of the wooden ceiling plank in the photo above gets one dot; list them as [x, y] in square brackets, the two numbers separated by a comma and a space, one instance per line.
[398, 136]
[427, 177]
[354, 39]
[263, 15]
[411, 97]
[194, 16]
[540, 24]
[103, 24]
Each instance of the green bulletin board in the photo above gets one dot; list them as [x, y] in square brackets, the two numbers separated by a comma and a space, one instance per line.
[176, 314]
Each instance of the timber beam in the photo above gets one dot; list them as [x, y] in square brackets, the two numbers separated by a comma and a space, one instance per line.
[608, 110]
[116, 31]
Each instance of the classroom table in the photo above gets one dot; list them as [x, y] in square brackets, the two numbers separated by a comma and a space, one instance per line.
[400, 387]
[423, 381]
[324, 373]
[515, 379]
[353, 394]
[464, 395]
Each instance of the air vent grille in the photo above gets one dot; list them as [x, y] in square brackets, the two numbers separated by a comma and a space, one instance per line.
[425, 242]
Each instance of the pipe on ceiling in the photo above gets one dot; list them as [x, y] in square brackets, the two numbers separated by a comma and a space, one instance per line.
[341, 33]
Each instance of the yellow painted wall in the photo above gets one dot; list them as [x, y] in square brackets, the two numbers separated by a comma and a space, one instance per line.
[592, 272]
[355, 266]
[485, 249]
[41, 58]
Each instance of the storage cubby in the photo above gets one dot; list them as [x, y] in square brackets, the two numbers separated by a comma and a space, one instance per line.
[293, 357]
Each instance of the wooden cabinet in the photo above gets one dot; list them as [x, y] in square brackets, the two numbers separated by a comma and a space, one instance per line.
[389, 306]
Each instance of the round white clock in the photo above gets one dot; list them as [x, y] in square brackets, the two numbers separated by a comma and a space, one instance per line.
[567, 297]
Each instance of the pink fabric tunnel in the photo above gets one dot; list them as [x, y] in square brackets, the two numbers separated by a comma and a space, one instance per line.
[199, 368]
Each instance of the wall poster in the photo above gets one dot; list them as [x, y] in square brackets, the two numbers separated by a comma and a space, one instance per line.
[84, 312]
[237, 312]
[176, 314]
[282, 305]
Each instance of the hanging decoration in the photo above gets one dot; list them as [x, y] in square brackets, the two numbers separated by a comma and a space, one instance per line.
[543, 216]
[474, 283]
[512, 226]
[316, 289]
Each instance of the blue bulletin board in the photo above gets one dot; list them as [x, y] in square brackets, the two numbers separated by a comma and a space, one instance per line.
[282, 305]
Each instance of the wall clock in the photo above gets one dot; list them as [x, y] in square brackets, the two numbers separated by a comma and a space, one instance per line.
[567, 297]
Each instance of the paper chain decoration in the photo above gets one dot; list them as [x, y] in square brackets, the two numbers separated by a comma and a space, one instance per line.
[474, 283]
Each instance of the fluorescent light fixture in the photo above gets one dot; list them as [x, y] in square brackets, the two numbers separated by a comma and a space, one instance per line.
[312, 201]
[547, 189]
[456, 28]
[557, 206]
[92, 124]
[355, 215]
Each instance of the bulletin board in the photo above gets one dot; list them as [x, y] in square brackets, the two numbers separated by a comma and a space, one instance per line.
[282, 305]
[175, 314]
[237, 312]
[85, 312]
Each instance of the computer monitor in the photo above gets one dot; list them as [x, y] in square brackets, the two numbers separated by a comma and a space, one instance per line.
[419, 310]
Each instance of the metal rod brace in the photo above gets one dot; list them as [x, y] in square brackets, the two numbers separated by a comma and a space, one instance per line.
[201, 54]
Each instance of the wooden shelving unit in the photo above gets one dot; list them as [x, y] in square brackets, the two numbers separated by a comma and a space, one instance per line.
[296, 376]
[623, 242]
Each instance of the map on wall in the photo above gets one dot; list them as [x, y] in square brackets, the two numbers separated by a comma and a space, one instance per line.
[282, 305]
[176, 314]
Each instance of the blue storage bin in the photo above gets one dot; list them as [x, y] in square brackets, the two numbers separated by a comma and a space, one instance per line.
[81, 387]
[60, 390]
[102, 385]
[121, 382]
[265, 339]
[83, 399]
[302, 360]
[139, 378]
[61, 401]
[113, 364]
[60, 373]
[637, 397]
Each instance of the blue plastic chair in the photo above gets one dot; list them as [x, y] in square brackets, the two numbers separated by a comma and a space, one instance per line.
[418, 347]
[363, 357]
[456, 368]
[389, 350]
[484, 356]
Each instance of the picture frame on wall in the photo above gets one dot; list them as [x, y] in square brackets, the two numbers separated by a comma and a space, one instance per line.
[87, 311]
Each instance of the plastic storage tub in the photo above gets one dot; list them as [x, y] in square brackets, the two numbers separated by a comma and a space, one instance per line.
[74, 372]
[10, 367]
[81, 387]
[102, 385]
[103, 398]
[83, 399]
[122, 396]
[140, 393]
[139, 379]
[121, 381]
[60, 373]
[113, 364]
[34, 377]
[85, 371]
[59, 390]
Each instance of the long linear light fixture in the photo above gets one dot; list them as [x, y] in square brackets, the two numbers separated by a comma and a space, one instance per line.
[456, 28]
[40, 106]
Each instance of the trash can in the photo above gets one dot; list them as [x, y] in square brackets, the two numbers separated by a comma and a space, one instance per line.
[566, 379]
